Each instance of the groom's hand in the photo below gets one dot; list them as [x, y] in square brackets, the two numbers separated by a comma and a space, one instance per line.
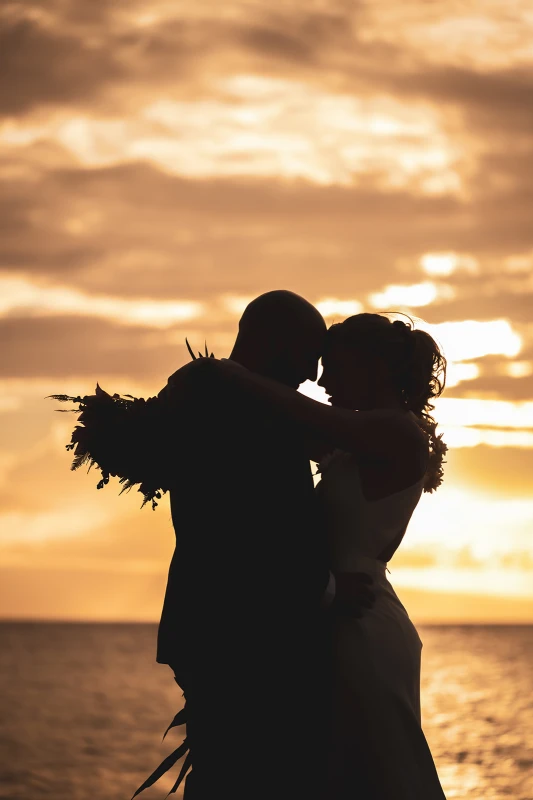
[353, 594]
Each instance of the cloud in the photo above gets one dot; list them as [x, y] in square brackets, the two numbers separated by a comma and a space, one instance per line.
[419, 294]
[131, 227]
[65, 346]
[496, 387]
[135, 230]
[154, 156]
[40, 65]
[493, 100]
[490, 413]
[469, 339]
[20, 296]
[59, 56]
[117, 54]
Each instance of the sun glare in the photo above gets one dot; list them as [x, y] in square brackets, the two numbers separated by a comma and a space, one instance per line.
[419, 294]
[445, 264]
[469, 339]
[465, 412]
[329, 307]
[519, 369]
[457, 373]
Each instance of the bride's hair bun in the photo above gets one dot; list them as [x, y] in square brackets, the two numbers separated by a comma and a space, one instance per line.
[417, 365]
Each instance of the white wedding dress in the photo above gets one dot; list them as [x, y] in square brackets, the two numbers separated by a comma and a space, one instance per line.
[378, 750]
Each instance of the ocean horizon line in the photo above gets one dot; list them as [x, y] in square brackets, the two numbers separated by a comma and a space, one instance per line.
[155, 623]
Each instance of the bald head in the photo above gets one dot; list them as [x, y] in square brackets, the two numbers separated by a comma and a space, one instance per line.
[280, 310]
[281, 335]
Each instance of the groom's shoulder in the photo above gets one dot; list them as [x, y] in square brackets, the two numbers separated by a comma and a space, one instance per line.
[223, 409]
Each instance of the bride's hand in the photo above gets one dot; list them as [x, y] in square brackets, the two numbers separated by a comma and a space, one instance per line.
[188, 378]
[179, 383]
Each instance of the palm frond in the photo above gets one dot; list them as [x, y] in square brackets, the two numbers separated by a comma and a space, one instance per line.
[189, 348]
[184, 770]
[79, 460]
[64, 398]
[165, 765]
[205, 354]
[179, 719]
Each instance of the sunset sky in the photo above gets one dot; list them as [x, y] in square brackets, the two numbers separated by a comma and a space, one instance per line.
[161, 163]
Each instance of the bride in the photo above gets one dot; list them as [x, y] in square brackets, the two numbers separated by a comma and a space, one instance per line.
[374, 466]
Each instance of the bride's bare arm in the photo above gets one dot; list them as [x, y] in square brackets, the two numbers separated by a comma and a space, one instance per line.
[379, 433]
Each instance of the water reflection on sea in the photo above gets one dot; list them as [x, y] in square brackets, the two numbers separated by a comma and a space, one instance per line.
[84, 707]
[478, 710]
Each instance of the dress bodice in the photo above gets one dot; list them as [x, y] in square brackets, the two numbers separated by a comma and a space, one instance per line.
[360, 529]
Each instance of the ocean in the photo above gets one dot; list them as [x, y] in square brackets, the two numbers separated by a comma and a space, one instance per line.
[84, 706]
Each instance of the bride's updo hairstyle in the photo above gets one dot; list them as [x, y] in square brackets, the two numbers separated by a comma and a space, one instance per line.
[417, 368]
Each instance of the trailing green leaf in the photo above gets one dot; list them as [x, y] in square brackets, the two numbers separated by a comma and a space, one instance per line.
[183, 772]
[165, 765]
[179, 719]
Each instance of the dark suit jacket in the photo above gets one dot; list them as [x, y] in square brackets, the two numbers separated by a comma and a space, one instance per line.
[242, 620]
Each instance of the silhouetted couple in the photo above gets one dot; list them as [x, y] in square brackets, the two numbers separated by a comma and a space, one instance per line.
[299, 664]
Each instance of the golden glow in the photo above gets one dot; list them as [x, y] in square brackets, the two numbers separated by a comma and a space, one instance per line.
[419, 294]
[488, 526]
[8, 403]
[469, 339]
[482, 36]
[456, 436]
[457, 373]
[484, 581]
[519, 369]
[445, 264]
[68, 521]
[329, 307]
[264, 126]
[19, 295]
[211, 152]
[492, 413]
[236, 304]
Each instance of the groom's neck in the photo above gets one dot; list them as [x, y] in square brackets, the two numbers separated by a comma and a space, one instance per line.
[249, 358]
[245, 360]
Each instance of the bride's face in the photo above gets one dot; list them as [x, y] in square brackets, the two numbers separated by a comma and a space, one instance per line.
[349, 378]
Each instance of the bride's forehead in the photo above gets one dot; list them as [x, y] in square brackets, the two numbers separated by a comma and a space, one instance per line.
[339, 353]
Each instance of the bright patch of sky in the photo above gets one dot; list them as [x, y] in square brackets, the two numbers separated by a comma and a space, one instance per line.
[264, 126]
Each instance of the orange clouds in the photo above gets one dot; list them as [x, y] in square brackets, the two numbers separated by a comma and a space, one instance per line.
[162, 163]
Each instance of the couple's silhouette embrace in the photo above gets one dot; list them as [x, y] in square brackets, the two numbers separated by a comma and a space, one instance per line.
[299, 665]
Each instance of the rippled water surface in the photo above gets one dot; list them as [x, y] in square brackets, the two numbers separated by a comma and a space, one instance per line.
[83, 708]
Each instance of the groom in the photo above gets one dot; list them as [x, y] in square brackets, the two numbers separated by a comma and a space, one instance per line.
[249, 593]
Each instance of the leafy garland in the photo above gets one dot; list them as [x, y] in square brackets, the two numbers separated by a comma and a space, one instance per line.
[124, 437]
[115, 435]
[437, 450]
